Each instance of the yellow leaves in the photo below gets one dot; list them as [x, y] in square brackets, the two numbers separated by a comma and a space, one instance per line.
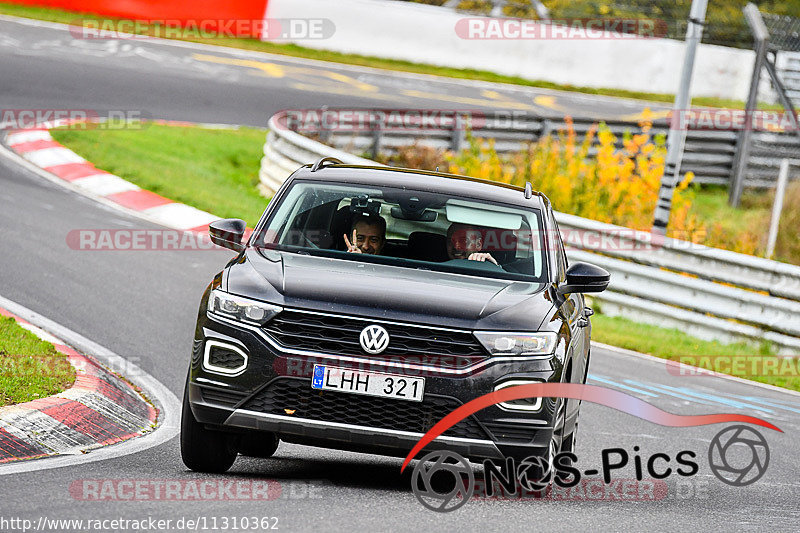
[595, 179]
[646, 120]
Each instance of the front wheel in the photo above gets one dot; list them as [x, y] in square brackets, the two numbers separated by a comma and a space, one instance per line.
[203, 450]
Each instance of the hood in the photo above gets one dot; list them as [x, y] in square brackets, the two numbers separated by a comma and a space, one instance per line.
[388, 292]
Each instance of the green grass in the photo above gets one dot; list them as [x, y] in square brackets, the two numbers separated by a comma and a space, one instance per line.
[30, 368]
[672, 344]
[711, 205]
[67, 17]
[212, 170]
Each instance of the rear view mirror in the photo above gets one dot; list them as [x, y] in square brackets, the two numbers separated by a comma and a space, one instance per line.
[425, 215]
[228, 233]
[584, 277]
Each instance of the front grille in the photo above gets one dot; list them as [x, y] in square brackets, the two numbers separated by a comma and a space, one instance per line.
[221, 397]
[295, 397]
[339, 335]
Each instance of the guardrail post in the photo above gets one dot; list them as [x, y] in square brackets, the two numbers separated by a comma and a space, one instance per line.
[777, 207]
[761, 35]
[377, 136]
[676, 138]
[458, 137]
[547, 127]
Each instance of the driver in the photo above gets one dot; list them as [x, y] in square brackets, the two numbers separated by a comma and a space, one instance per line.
[369, 235]
[466, 242]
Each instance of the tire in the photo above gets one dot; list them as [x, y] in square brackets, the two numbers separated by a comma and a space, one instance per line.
[203, 450]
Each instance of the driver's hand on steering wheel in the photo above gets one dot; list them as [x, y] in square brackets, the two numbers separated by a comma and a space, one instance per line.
[481, 256]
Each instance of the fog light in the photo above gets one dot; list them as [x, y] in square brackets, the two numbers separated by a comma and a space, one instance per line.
[523, 404]
[223, 358]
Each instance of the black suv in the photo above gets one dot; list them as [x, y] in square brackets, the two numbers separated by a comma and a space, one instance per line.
[370, 302]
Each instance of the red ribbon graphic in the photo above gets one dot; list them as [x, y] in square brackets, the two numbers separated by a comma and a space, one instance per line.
[576, 391]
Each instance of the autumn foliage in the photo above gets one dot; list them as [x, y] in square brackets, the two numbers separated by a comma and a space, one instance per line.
[594, 179]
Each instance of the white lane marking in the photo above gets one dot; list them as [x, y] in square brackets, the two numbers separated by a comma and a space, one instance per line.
[104, 184]
[180, 216]
[28, 136]
[50, 157]
[161, 396]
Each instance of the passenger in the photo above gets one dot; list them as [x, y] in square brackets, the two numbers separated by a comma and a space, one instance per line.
[466, 242]
[369, 235]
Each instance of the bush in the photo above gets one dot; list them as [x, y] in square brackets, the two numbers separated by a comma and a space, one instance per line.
[618, 186]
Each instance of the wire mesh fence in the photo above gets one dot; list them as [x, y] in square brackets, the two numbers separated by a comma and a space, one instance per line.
[725, 24]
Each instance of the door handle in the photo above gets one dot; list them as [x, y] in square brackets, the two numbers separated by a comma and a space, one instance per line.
[588, 311]
[583, 322]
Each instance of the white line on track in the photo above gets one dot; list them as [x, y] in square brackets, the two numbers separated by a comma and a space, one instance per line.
[168, 405]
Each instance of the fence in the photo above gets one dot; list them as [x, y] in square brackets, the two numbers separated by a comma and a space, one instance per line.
[710, 293]
[709, 154]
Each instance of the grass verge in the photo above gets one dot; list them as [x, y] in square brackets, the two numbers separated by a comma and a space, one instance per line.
[67, 17]
[673, 344]
[30, 368]
[212, 170]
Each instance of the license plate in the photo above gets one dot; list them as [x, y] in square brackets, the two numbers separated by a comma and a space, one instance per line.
[369, 383]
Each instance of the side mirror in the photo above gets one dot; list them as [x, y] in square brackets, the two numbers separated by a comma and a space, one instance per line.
[583, 277]
[228, 233]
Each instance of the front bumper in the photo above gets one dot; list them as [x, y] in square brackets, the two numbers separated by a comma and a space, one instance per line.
[273, 394]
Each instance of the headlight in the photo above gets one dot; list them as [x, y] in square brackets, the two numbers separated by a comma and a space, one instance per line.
[501, 343]
[239, 308]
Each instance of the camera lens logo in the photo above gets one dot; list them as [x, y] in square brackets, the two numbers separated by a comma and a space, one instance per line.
[443, 481]
[535, 473]
[738, 455]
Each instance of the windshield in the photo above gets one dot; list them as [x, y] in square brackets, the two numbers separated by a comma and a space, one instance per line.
[408, 228]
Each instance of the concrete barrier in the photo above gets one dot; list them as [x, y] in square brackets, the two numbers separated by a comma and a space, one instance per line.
[428, 34]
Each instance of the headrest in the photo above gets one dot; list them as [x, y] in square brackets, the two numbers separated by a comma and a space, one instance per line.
[425, 246]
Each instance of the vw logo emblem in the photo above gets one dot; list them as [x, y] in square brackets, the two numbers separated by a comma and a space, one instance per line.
[374, 339]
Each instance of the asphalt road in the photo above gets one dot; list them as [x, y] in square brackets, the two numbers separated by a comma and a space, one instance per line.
[45, 67]
[142, 306]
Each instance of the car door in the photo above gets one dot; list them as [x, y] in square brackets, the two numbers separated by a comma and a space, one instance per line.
[572, 310]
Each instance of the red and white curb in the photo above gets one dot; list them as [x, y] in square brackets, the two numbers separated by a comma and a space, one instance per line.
[99, 409]
[39, 149]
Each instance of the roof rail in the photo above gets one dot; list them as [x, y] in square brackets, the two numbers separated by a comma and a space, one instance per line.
[528, 190]
[321, 163]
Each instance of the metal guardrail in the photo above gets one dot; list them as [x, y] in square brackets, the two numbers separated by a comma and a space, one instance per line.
[707, 292]
[709, 154]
